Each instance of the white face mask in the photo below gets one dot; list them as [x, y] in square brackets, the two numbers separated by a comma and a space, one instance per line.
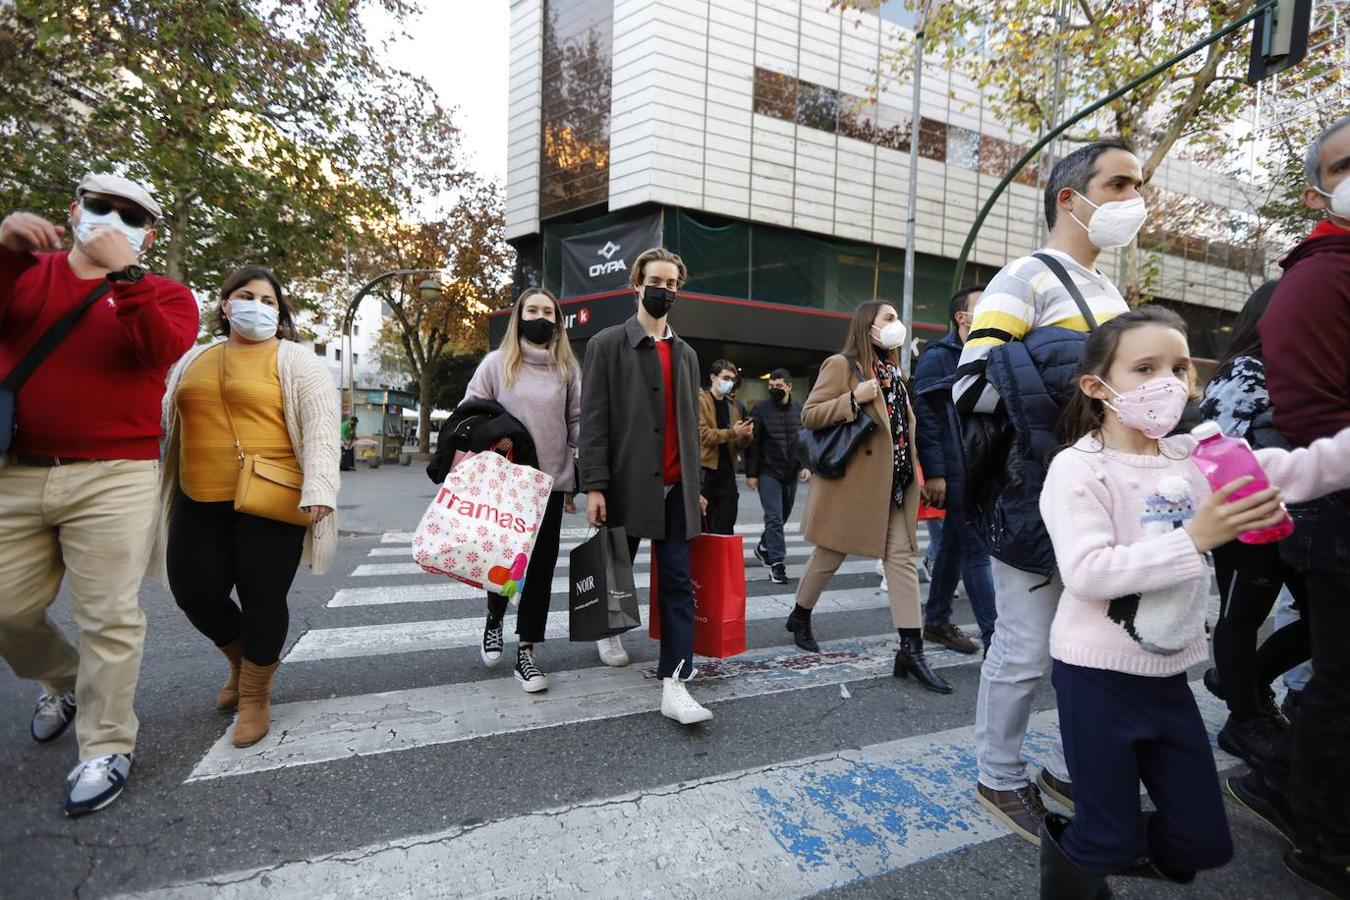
[253, 319]
[91, 222]
[890, 337]
[1340, 198]
[1114, 224]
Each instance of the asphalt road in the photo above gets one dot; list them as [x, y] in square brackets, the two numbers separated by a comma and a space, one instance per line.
[400, 766]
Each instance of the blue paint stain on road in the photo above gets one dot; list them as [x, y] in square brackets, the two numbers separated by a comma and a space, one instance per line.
[856, 820]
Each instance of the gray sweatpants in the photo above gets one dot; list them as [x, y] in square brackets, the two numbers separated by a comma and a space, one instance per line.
[1018, 660]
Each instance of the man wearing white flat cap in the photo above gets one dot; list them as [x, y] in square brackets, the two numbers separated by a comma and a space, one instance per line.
[86, 340]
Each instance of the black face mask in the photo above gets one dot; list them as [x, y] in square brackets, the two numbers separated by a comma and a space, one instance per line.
[538, 331]
[657, 301]
[777, 395]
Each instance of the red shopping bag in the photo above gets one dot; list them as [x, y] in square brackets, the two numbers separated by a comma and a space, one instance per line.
[717, 568]
[926, 512]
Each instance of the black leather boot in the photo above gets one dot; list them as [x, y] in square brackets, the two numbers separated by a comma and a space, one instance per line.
[799, 624]
[1061, 879]
[910, 660]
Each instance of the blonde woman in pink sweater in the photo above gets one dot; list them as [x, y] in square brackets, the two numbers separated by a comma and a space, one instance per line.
[535, 377]
[1132, 519]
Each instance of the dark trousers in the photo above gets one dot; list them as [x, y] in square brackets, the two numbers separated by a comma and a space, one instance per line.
[532, 616]
[719, 487]
[211, 550]
[776, 496]
[961, 557]
[1250, 577]
[676, 587]
[1315, 756]
[1120, 730]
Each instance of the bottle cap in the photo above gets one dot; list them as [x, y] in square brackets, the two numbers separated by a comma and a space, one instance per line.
[1206, 430]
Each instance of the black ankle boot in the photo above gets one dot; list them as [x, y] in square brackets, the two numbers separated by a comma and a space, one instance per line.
[910, 660]
[1061, 879]
[799, 623]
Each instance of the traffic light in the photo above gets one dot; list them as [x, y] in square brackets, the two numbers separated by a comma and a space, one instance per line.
[1279, 38]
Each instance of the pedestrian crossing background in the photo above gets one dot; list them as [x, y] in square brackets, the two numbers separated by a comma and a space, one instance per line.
[785, 825]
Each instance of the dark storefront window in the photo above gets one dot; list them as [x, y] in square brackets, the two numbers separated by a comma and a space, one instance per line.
[574, 151]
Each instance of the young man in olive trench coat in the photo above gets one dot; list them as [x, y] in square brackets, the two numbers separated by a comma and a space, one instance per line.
[640, 460]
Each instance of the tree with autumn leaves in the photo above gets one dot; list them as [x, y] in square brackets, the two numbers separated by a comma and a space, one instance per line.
[274, 132]
[468, 245]
[1009, 48]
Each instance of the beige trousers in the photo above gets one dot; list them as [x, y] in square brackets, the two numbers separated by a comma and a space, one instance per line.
[902, 579]
[92, 524]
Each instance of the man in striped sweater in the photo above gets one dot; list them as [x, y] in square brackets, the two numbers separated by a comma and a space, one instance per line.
[1092, 203]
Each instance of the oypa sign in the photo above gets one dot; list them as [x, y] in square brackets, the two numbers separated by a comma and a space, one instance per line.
[602, 260]
[610, 264]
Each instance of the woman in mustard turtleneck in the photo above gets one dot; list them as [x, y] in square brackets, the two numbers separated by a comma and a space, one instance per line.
[260, 387]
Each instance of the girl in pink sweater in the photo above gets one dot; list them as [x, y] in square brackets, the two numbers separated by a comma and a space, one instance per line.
[1132, 520]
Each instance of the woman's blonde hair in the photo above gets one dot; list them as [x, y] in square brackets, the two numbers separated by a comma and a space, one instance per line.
[564, 361]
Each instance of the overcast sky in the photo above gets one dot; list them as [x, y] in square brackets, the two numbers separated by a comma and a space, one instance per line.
[461, 47]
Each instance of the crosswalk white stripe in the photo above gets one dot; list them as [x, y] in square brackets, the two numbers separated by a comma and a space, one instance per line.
[787, 829]
[794, 540]
[442, 634]
[447, 589]
[315, 731]
[405, 537]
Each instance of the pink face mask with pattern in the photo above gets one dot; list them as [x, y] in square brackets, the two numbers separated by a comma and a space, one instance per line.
[1154, 408]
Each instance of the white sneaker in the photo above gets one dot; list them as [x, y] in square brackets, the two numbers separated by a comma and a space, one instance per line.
[52, 716]
[612, 652]
[677, 704]
[490, 651]
[95, 783]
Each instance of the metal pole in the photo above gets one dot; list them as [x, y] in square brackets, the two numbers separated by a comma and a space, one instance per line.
[907, 305]
[1083, 114]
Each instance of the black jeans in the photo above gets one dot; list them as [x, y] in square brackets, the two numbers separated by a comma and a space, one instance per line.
[720, 489]
[1250, 577]
[213, 549]
[676, 589]
[532, 618]
[1315, 759]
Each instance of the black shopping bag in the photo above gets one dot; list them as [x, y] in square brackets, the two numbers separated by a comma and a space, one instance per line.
[601, 598]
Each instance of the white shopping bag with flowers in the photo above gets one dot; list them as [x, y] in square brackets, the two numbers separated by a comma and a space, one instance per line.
[482, 524]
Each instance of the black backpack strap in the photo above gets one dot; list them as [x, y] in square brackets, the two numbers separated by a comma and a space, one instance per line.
[50, 340]
[1065, 279]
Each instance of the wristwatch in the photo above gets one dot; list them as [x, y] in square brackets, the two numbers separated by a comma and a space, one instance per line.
[132, 273]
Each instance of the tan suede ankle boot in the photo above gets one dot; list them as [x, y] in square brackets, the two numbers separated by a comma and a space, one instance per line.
[255, 703]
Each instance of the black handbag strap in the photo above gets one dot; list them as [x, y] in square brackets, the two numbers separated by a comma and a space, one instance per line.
[49, 341]
[1065, 279]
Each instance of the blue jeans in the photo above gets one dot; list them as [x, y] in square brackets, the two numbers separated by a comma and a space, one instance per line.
[676, 590]
[777, 497]
[960, 557]
[934, 541]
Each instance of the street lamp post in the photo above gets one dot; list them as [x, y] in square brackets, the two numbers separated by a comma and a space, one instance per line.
[350, 315]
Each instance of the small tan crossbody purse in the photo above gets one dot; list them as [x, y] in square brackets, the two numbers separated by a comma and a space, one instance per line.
[267, 489]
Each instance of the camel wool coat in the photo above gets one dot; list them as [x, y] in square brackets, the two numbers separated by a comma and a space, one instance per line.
[850, 514]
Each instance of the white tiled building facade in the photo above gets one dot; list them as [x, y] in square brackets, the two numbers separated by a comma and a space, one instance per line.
[684, 131]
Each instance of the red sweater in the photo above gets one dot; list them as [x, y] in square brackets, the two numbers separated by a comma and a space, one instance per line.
[1304, 335]
[98, 395]
[670, 449]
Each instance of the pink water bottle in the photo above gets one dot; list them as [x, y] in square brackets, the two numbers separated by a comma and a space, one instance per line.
[1222, 460]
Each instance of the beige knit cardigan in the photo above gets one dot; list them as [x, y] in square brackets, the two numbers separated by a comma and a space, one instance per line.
[310, 406]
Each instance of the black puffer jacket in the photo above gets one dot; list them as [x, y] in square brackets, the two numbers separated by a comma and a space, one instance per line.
[777, 449]
[475, 426]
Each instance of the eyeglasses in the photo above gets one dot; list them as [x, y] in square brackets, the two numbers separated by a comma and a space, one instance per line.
[136, 218]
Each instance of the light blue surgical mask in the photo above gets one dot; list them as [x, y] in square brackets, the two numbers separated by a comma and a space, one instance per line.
[91, 222]
[725, 387]
[253, 319]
